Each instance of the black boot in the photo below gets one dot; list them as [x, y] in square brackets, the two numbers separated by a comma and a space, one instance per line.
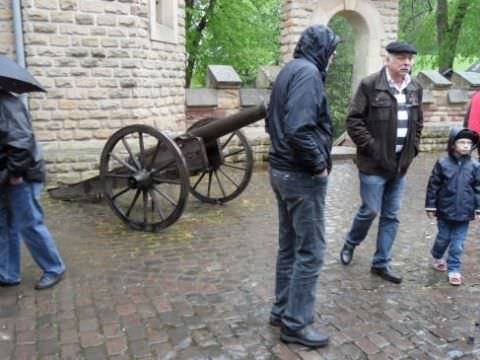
[307, 336]
[346, 254]
[387, 274]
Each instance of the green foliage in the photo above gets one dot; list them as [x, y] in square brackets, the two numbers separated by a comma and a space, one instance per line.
[417, 25]
[241, 33]
[339, 78]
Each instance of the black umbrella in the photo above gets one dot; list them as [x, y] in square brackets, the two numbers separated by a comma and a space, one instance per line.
[15, 78]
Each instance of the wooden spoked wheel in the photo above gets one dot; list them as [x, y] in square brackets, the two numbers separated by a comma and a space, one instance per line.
[229, 172]
[144, 177]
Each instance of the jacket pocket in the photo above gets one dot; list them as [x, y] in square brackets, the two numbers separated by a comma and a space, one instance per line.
[382, 108]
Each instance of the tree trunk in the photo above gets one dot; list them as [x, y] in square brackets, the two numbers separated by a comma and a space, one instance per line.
[448, 34]
[195, 36]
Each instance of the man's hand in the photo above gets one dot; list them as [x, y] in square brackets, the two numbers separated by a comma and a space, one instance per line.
[16, 180]
[431, 214]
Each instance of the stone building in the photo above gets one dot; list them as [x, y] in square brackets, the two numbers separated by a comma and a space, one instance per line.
[111, 63]
[106, 64]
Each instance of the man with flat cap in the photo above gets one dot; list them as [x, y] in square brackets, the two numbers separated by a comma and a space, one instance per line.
[385, 122]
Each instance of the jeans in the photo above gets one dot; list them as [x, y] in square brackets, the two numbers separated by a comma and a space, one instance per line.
[380, 195]
[21, 216]
[301, 245]
[451, 235]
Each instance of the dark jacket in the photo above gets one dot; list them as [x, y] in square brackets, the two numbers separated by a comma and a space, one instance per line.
[298, 118]
[453, 190]
[372, 125]
[19, 153]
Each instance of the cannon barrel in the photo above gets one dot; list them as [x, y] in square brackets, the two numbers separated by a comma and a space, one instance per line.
[216, 129]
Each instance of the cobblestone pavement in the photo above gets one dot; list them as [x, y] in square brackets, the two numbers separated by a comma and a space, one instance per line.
[202, 289]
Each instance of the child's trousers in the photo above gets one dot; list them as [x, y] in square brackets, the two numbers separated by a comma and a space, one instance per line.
[451, 235]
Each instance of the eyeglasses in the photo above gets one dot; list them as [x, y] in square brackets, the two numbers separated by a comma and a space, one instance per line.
[464, 142]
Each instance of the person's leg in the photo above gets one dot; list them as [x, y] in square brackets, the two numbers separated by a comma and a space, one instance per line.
[9, 244]
[27, 213]
[442, 240]
[371, 192]
[458, 235]
[306, 204]
[286, 247]
[388, 222]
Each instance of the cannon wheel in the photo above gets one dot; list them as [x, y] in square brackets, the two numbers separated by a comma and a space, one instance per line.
[144, 177]
[226, 179]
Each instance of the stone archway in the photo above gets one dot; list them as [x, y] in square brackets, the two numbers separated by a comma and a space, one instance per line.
[374, 22]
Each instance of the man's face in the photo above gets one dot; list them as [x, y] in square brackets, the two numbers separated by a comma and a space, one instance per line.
[463, 146]
[400, 64]
[331, 60]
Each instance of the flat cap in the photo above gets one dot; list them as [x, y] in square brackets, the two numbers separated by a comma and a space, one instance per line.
[398, 47]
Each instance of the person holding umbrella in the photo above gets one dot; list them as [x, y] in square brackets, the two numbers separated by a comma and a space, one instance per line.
[21, 182]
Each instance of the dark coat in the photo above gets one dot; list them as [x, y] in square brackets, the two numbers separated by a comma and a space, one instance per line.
[298, 119]
[372, 125]
[453, 190]
[19, 153]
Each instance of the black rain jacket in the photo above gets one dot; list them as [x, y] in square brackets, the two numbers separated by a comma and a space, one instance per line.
[298, 119]
[453, 189]
[19, 152]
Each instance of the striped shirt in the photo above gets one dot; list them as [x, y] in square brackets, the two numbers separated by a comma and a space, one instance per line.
[402, 110]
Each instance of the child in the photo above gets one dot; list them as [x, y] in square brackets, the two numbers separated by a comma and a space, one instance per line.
[453, 197]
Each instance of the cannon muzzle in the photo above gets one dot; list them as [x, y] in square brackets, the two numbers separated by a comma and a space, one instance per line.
[220, 127]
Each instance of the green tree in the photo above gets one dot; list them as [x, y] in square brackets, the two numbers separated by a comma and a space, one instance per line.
[444, 29]
[241, 33]
[448, 32]
[339, 77]
[197, 16]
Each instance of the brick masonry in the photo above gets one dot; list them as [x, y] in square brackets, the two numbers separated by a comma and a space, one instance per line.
[6, 30]
[102, 72]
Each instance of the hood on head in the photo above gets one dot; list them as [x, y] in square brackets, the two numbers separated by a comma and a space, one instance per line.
[461, 133]
[317, 43]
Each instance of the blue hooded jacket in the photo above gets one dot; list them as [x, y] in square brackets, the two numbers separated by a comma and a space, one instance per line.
[298, 119]
[454, 187]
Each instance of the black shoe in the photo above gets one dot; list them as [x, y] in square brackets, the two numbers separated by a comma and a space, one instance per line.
[48, 281]
[346, 254]
[387, 274]
[307, 336]
[275, 321]
[9, 284]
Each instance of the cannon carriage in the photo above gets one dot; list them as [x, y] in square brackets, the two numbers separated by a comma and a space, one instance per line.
[146, 175]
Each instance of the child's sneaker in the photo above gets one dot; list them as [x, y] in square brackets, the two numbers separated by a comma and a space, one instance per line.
[455, 278]
[439, 264]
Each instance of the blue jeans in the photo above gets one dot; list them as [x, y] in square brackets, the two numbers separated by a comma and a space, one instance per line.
[21, 216]
[301, 245]
[380, 195]
[451, 235]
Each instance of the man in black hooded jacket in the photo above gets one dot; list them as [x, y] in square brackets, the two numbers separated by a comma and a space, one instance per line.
[301, 133]
[21, 182]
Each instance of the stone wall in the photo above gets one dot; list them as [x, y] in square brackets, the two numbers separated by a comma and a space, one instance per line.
[445, 104]
[225, 97]
[102, 71]
[375, 23]
[7, 43]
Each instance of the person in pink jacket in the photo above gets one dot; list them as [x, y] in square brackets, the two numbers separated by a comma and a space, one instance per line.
[472, 117]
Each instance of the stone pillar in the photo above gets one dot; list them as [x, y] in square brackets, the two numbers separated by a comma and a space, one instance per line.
[375, 23]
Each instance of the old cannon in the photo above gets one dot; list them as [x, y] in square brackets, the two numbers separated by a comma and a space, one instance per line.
[147, 175]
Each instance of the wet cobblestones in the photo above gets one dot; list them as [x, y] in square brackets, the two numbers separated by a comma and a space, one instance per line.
[202, 289]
